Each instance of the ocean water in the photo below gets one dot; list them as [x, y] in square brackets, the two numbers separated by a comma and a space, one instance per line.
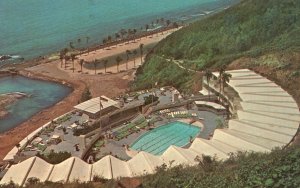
[30, 28]
[42, 95]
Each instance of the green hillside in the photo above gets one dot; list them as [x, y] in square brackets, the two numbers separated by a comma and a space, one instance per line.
[250, 28]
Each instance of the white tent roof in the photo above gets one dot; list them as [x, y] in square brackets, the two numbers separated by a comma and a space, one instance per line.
[119, 168]
[81, 171]
[111, 167]
[178, 156]
[102, 168]
[93, 105]
[17, 173]
[40, 169]
[61, 171]
[144, 163]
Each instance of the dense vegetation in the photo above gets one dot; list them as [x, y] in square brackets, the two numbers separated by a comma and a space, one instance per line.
[250, 28]
[280, 168]
[86, 95]
[55, 158]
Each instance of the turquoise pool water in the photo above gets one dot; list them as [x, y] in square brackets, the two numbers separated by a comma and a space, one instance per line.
[42, 94]
[158, 140]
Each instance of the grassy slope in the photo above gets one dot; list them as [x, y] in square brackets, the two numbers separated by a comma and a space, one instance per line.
[251, 28]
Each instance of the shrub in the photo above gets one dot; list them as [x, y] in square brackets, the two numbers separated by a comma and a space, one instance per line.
[86, 95]
[55, 158]
[149, 99]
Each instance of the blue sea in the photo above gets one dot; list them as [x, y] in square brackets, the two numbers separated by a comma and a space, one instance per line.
[32, 28]
[43, 94]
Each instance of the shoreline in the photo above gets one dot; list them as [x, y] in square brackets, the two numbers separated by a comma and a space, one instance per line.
[13, 136]
[48, 69]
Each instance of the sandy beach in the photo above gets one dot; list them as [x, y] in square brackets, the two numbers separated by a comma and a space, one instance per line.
[110, 85]
[113, 51]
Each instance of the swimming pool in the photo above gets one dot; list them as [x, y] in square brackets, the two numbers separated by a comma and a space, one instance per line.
[159, 139]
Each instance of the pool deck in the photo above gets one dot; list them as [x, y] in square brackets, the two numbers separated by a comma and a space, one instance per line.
[116, 148]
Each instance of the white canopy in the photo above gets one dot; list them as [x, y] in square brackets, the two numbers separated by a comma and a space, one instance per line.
[93, 105]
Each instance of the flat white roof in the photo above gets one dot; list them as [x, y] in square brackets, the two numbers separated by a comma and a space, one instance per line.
[212, 104]
[93, 105]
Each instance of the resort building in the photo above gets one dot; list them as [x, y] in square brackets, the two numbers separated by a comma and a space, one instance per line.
[266, 117]
[96, 106]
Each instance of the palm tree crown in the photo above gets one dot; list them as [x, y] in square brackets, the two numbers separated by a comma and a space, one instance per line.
[208, 74]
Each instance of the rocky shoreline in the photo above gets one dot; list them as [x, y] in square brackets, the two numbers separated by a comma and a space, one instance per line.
[8, 99]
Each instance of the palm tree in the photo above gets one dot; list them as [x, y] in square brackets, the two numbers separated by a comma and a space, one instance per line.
[129, 34]
[62, 55]
[71, 45]
[146, 27]
[208, 75]
[128, 52]
[95, 63]
[73, 57]
[109, 39]
[123, 33]
[118, 60]
[168, 22]
[134, 31]
[225, 79]
[141, 50]
[104, 41]
[66, 60]
[105, 64]
[134, 53]
[175, 25]
[117, 36]
[162, 20]
[221, 72]
[81, 61]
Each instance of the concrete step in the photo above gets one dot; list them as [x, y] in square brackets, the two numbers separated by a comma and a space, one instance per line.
[258, 140]
[258, 131]
[202, 147]
[258, 97]
[225, 148]
[235, 140]
[246, 115]
[272, 127]
[252, 106]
